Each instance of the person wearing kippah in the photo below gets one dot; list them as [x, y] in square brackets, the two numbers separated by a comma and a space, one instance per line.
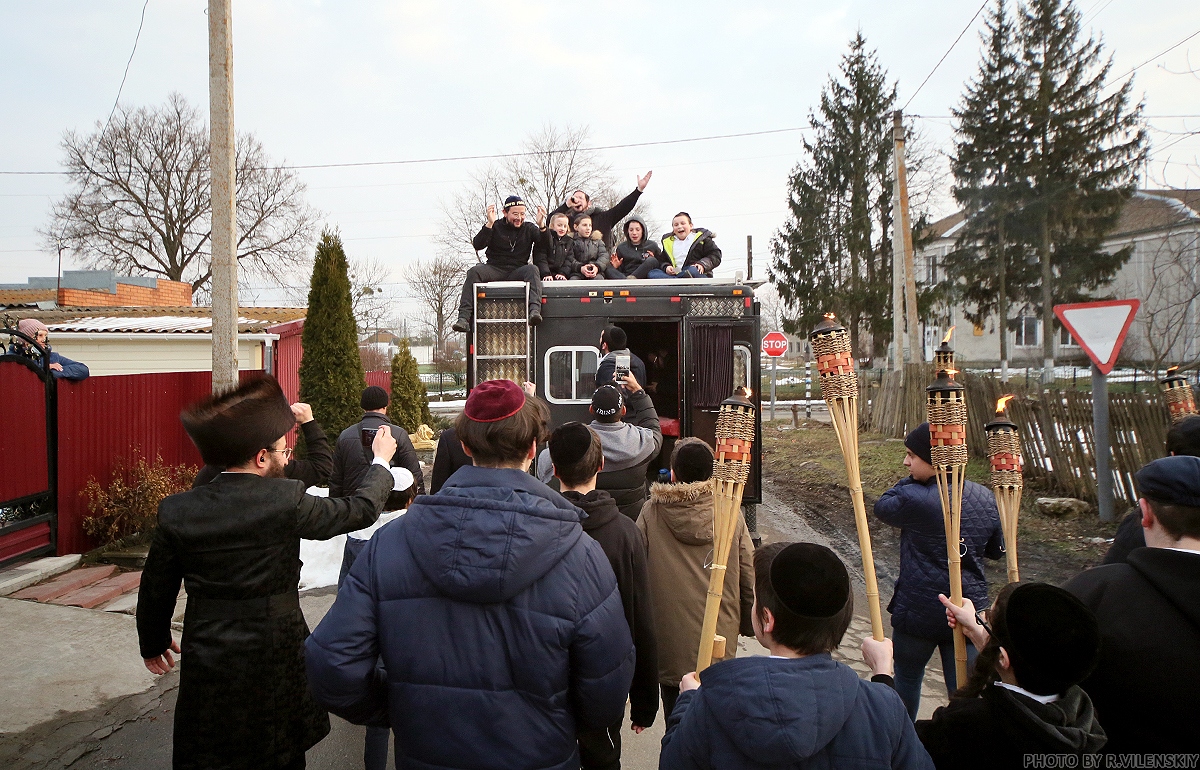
[1036, 643]
[508, 245]
[1146, 687]
[797, 708]
[1183, 438]
[497, 620]
[605, 221]
[61, 367]
[351, 458]
[234, 545]
[918, 619]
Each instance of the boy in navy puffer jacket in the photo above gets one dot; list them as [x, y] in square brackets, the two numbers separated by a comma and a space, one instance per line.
[497, 620]
[918, 618]
[798, 708]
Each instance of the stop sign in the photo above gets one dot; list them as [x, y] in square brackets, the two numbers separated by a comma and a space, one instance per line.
[775, 344]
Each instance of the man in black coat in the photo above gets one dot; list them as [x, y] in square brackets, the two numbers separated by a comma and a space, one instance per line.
[1145, 686]
[509, 246]
[244, 700]
[448, 458]
[313, 470]
[350, 459]
[580, 202]
[613, 342]
[576, 455]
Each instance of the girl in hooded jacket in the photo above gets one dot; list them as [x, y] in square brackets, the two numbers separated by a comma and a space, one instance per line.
[636, 256]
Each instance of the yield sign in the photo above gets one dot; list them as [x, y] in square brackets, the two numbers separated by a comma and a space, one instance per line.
[1099, 327]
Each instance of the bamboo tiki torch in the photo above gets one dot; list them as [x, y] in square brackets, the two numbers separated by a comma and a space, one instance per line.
[735, 437]
[1177, 392]
[839, 387]
[947, 405]
[1004, 454]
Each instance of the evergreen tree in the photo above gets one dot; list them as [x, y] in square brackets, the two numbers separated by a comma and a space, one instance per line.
[410, 403]
[1084, 151]
[832, 253]
[331, 372]
[990, 167]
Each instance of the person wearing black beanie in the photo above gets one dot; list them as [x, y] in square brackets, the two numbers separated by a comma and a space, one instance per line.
[1023, 697]
[918, 620]
[351, 458]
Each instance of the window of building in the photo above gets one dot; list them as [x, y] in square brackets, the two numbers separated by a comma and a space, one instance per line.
[1065, 340]
[1027, 331]
[571, 374]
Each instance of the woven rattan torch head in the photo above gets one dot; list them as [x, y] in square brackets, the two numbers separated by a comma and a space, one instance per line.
[1004, 448]
[835, 359]
[1178, 395]
[735, 439]
[943, 355]
[946, 402]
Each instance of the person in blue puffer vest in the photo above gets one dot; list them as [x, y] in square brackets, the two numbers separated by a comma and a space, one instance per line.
[918, 618]
[798, 708]
[497, 622]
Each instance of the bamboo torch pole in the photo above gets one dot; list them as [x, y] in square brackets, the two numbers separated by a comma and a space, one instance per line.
[1004, 455]
[946, 402]
[735, 436]
[839, 387]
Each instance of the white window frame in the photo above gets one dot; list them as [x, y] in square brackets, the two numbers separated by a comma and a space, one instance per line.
[1037, 332]
[574, 372]
[1070, 341]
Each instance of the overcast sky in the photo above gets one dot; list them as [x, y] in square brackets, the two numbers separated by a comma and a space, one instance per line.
[333, 82]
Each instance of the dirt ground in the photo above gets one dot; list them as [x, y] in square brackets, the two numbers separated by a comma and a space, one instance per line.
[804, 467]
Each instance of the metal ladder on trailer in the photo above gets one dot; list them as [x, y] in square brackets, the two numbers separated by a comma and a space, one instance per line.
[502, 339]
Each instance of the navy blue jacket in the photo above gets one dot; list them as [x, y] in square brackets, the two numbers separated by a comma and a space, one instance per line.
[916, 509]
[71, 370]
[498, 623]
[808, 712]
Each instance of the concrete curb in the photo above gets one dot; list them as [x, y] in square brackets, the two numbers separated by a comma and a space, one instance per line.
[25, 575]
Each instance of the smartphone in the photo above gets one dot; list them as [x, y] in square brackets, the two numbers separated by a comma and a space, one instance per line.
[368, 437]
[622, 367]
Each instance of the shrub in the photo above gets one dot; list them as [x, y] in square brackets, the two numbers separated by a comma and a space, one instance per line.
[409, 406]
[129, 504]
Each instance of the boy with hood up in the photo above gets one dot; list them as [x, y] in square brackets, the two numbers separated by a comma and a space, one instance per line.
[677, 522]
[498, 621]
[635, 256]
[797, 708]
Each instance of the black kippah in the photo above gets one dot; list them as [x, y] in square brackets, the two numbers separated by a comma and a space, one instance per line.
[810, 580]
[1052, 638]
[569, 443]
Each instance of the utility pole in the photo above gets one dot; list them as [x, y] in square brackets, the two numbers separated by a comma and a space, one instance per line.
[749, 257]
[897, 251]
[902, 238]
[222, 157]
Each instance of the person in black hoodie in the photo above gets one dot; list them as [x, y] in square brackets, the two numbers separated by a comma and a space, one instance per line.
[576, 455]
[1023, 697]
[1148, 608]
[580, 202]
[636, 256]
[554, 253]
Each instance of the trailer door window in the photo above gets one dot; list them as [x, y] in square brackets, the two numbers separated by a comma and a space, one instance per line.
[571, 374]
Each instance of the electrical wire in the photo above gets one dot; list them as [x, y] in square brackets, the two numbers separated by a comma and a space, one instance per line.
[948, 50]
[1152, 58]
[125, 75]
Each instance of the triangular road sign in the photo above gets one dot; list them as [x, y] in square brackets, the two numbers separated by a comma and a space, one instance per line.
[1099, 327]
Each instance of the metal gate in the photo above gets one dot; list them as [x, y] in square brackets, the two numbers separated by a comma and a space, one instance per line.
[28, 451]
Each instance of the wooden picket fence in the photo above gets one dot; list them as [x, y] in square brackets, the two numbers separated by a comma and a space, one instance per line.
[1056, 426]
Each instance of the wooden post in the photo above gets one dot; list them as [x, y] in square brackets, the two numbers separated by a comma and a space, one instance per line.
[903, 226]
[223, 162]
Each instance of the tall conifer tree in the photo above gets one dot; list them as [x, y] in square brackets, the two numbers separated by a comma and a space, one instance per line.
[832, 252]
[409, 406]
[331, 372]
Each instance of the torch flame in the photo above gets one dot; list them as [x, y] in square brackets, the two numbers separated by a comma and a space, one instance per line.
[1172, 370]
[1002, 403]
[830, 316]
[946, 339]
[951, 372]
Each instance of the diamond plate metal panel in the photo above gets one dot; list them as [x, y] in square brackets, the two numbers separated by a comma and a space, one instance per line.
[723, 307]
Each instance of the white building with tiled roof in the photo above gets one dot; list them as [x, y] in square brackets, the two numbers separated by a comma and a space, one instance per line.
[1162, 226]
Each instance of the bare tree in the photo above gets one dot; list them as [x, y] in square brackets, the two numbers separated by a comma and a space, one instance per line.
[369, 300]
[140, 200]
[466, 212]
[437, 284]
[1169, 318]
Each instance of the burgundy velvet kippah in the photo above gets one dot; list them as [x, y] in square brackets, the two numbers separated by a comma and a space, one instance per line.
[494, 400]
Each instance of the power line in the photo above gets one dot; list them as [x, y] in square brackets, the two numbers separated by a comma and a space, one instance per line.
[495, 156]
[121, 88]
[1156, 56]
[948, 50]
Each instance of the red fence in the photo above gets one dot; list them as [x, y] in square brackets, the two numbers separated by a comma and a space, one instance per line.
[23, 425]
[382, 378]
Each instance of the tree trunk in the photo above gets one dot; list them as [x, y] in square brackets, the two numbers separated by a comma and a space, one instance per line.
[1002, 300]
[1047, 301]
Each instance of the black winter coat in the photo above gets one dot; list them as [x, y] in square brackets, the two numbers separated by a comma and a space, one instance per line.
[916, 509]
[313, 470]
[605, 221]
[1129, 535]
[1001, 727]
[498, 622]
[606, 370]
[1145, 686]
[507, 247]
[591, 251]
[633, 255]
[350, 461]
[234, 543]
[625, 548]
[704, 251]
[555, 255]
[448, 458]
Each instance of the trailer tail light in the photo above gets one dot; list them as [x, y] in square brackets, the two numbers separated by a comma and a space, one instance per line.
[472, 348]
[585, 299]
[747, 302]
[674, 299]
[625, 292]
[482, 294]
[608, 293]
[737, 292]
[631, 299]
